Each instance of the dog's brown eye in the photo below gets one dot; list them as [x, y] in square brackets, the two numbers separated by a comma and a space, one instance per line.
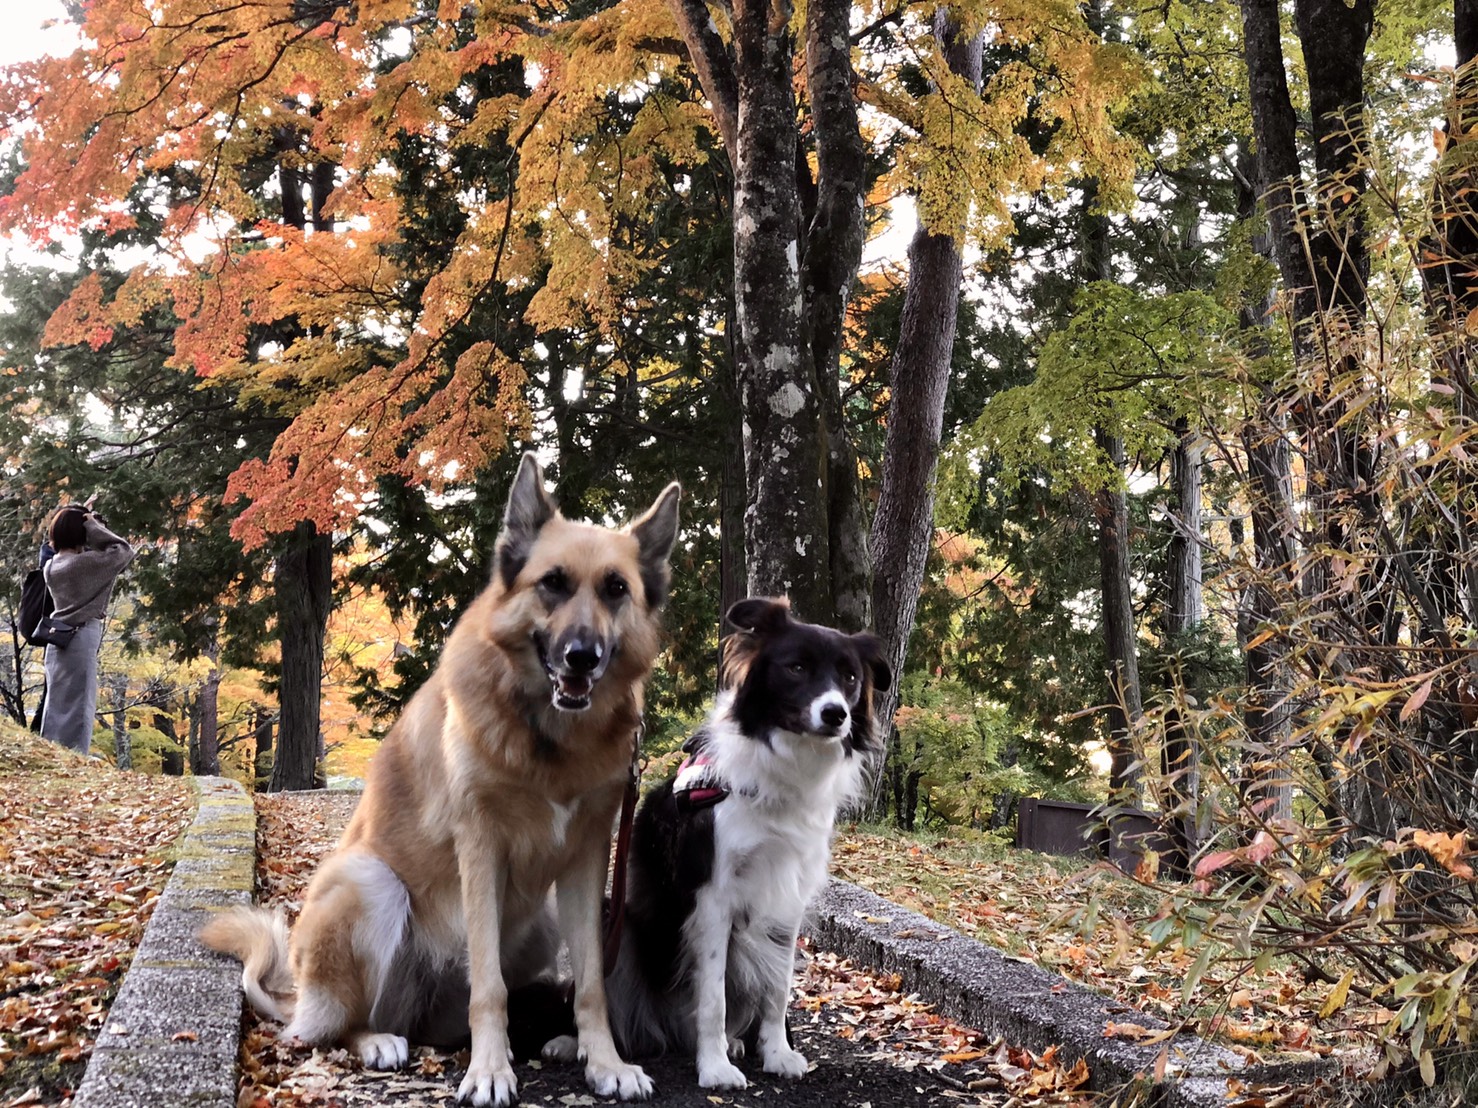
[797, 668]
[555, 581]
[616, 587]
[849, 677]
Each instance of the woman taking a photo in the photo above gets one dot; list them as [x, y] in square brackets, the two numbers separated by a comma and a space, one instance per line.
[80, 578]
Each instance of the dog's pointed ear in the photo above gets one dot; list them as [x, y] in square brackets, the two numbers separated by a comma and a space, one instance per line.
[529, 509]
[655, 532]
[870, 648]
[760, 615]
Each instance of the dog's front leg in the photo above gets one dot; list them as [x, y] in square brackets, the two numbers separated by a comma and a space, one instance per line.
[489, 1079]
[776, 1055]
[578, 893]
[708, 930]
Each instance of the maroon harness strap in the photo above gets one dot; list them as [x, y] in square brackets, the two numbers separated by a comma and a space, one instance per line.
[617, 915]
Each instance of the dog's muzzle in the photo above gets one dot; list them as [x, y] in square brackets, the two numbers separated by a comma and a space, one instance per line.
[829, 716]
[573, 666]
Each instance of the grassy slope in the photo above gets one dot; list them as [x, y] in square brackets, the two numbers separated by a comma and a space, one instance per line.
[1089, 923]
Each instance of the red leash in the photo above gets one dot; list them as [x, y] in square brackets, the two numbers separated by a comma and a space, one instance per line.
[617, 915]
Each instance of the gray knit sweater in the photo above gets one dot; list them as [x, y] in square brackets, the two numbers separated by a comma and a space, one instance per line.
[81, 581]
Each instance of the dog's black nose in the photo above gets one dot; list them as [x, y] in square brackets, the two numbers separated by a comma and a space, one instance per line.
[581, 658]
[833, 715]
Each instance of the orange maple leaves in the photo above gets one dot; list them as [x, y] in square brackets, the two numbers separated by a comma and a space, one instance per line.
[321, 326]
[1448, 849]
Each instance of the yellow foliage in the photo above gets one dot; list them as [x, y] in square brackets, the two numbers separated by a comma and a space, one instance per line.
[218, 91]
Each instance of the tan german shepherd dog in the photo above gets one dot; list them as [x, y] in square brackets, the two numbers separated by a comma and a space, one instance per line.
[501, 778]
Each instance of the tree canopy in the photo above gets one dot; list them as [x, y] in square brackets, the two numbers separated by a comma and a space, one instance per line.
[1147, 456]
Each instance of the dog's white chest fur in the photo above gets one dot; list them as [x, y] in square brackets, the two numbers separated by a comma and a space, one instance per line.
[772, 836]
[560, 815]
[766, 869]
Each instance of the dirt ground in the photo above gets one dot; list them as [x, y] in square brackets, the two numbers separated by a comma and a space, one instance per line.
[870, 1046]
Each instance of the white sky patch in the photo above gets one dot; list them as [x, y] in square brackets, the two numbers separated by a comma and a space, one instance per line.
[890, 246]
[35, 29]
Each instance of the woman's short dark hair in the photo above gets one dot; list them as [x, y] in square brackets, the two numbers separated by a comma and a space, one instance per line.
[69, 528]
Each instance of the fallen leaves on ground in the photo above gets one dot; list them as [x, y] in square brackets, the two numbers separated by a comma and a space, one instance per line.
[83, 858]
[910, 1034]
[295, 832]
[868, 1011]
[1087, 922]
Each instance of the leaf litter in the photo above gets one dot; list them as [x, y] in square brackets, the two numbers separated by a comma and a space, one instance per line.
[1090, 923]
[845, 1018]
[84, 855]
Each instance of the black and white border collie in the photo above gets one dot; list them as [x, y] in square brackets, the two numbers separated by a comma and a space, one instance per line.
[726, 856]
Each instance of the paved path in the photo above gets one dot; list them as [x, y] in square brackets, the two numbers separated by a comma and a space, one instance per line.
[845, 1073]
[172, 1037]
[842, 1076]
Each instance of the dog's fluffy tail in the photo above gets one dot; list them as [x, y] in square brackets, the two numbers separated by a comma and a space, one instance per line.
[259, 939]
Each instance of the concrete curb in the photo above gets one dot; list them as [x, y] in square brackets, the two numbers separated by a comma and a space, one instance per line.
[1027, 1005]
[172, 1036]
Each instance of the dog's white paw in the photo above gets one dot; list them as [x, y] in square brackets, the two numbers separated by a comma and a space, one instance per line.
[736, 1048]
[562, 1048]
[624, 1081]
[495, 1087]
[720, 1074]
[382, 1051]
[785, 1062]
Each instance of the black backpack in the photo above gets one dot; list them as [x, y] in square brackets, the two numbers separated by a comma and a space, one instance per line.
[36, 605]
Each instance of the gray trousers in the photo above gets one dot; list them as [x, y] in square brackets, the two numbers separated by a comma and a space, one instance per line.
[72, 689]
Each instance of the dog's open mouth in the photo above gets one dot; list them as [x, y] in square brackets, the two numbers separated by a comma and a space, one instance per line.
[569, 691]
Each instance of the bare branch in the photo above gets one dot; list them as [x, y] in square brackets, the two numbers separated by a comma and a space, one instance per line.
[714, 63]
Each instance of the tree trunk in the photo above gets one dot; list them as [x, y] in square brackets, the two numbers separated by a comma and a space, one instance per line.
[1279, 175]
[1185, 606]
[1333, 34]
[1340, 460]
[303, 587]
[262, 747]
[303, 578]
[734, 577]
[1446, 571]
[785, 526]
[1266, 777]
[903, 526]
[804, 525]
[910, 813]
[1341, 453]
[1125, 705]
[1323, 261]
[209, 763]
[122, 747]
[1452, 280]
[192, 742]
[833, 251]
[15, 706]
[1180, 754]
[171, 762]
[1111, 511]
[894, 775]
